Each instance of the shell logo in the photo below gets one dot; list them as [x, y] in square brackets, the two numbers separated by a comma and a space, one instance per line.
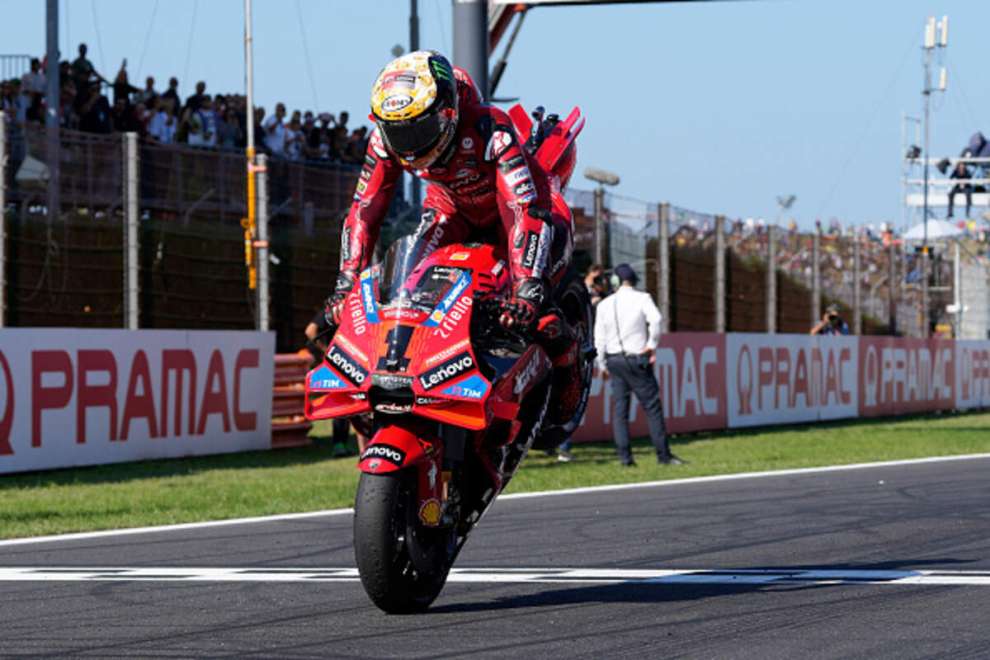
[429, 513]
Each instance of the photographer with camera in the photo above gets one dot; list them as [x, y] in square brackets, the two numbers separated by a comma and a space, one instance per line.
[831, 323]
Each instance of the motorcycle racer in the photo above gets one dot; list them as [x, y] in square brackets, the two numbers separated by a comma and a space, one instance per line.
[430, 120]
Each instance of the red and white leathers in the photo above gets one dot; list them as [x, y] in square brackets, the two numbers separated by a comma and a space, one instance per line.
[484, 184]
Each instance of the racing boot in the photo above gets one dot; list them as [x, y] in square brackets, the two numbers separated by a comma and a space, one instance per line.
[568, 385]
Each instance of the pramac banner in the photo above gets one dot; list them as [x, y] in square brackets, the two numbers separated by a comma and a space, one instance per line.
[711, 381]
[72, 397]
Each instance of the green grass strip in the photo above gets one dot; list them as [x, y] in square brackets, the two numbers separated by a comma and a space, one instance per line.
[311, 479]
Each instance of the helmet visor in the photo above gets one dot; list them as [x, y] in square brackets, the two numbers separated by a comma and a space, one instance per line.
[413, 138]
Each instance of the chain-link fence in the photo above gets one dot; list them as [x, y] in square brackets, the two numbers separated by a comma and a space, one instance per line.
[875, 278]
[66, 268]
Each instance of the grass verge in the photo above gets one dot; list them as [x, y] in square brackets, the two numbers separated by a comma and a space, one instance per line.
[310, 479]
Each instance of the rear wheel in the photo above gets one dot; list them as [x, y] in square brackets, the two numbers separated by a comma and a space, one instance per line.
[575, 306]
[386, 528]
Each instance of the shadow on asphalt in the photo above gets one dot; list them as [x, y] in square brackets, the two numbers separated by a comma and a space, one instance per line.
[665, 592]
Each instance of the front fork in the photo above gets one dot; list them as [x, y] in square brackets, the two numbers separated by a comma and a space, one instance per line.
[399, 446]
[436, 458]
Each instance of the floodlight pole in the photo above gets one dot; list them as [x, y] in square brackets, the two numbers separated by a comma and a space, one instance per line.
[927, 96]
[52, 118]
[601, 256]
[932, 41]
[416, 191]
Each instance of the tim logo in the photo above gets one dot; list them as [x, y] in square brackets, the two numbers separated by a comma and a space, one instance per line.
[7, 406]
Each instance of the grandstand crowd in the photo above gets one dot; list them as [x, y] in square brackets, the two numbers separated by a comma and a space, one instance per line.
[160, 115]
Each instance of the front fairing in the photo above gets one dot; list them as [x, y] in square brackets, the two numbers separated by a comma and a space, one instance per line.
[406, 347]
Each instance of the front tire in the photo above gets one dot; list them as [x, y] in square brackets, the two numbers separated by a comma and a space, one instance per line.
[384, 524]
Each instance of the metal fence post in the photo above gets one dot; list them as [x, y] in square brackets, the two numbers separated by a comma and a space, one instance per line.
[3, 221]
[893, 284]
[816, 275]
[131, 283]
[663, 268]
[261, 243]
[720, 273]
[925, 322]
[957, 290]
[857, 284]
[772, 279]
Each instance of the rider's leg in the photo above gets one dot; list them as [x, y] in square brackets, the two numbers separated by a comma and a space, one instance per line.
[555, 333]
[439, 224]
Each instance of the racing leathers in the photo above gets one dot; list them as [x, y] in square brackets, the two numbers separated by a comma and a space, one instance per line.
[485, 182]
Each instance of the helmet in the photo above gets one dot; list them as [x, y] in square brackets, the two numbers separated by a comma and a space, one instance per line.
[414, 103]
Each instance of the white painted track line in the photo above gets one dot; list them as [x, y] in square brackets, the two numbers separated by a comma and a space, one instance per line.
[670, 483]
[583, 576]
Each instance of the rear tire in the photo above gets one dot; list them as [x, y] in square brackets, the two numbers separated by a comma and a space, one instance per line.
[384, 521]
[574, 303]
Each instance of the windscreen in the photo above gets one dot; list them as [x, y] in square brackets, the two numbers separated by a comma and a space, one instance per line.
[401, 283]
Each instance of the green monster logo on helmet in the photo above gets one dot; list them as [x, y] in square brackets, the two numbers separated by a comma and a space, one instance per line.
[441, 69]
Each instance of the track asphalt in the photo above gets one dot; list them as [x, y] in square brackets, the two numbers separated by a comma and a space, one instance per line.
[890, 562]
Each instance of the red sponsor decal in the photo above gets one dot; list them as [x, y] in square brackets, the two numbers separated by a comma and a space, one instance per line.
[901, 375]
[691, 368]
[92, 377]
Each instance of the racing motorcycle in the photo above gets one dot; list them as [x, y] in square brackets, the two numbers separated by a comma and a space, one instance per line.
[454, 400]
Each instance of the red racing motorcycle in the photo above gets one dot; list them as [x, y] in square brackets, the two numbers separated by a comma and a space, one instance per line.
[455, 401]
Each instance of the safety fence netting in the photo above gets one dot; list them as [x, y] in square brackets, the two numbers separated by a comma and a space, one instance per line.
[889, 269]
[67, 268]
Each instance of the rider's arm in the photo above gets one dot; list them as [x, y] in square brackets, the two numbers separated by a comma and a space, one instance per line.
[375, 187]
[531, 232]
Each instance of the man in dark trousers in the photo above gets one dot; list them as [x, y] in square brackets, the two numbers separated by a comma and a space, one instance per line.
[627, 330]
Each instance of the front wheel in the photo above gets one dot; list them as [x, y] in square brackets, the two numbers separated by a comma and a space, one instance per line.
[385, 529]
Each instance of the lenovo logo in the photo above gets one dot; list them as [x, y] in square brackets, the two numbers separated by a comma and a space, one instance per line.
[390, 454]
[452, 368]
[346, 365]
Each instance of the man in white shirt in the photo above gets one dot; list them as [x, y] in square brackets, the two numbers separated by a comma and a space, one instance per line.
[627, 330]
[162, 125]
[275, 131]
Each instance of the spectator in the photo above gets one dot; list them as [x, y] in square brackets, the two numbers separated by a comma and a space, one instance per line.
[338, 143]
[831, 323]
[203, 124]
[356, 146]
[326, 145]
[121, 87]
[196, 100]
[148, 94]
[33, 82]
[95, 115]
[230, 133]
[163, 123]
[293, 138]
[311, 137]
[961, 172]
[259, 129]
[172, 93]
[342, 120]
[627, 331]
[83, 71]
[275, 131]
[596, 284]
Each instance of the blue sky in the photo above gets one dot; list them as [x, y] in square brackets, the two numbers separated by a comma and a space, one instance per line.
[716, 106]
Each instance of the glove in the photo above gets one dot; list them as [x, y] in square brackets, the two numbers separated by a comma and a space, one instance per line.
[333, 307]
[519, 312]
